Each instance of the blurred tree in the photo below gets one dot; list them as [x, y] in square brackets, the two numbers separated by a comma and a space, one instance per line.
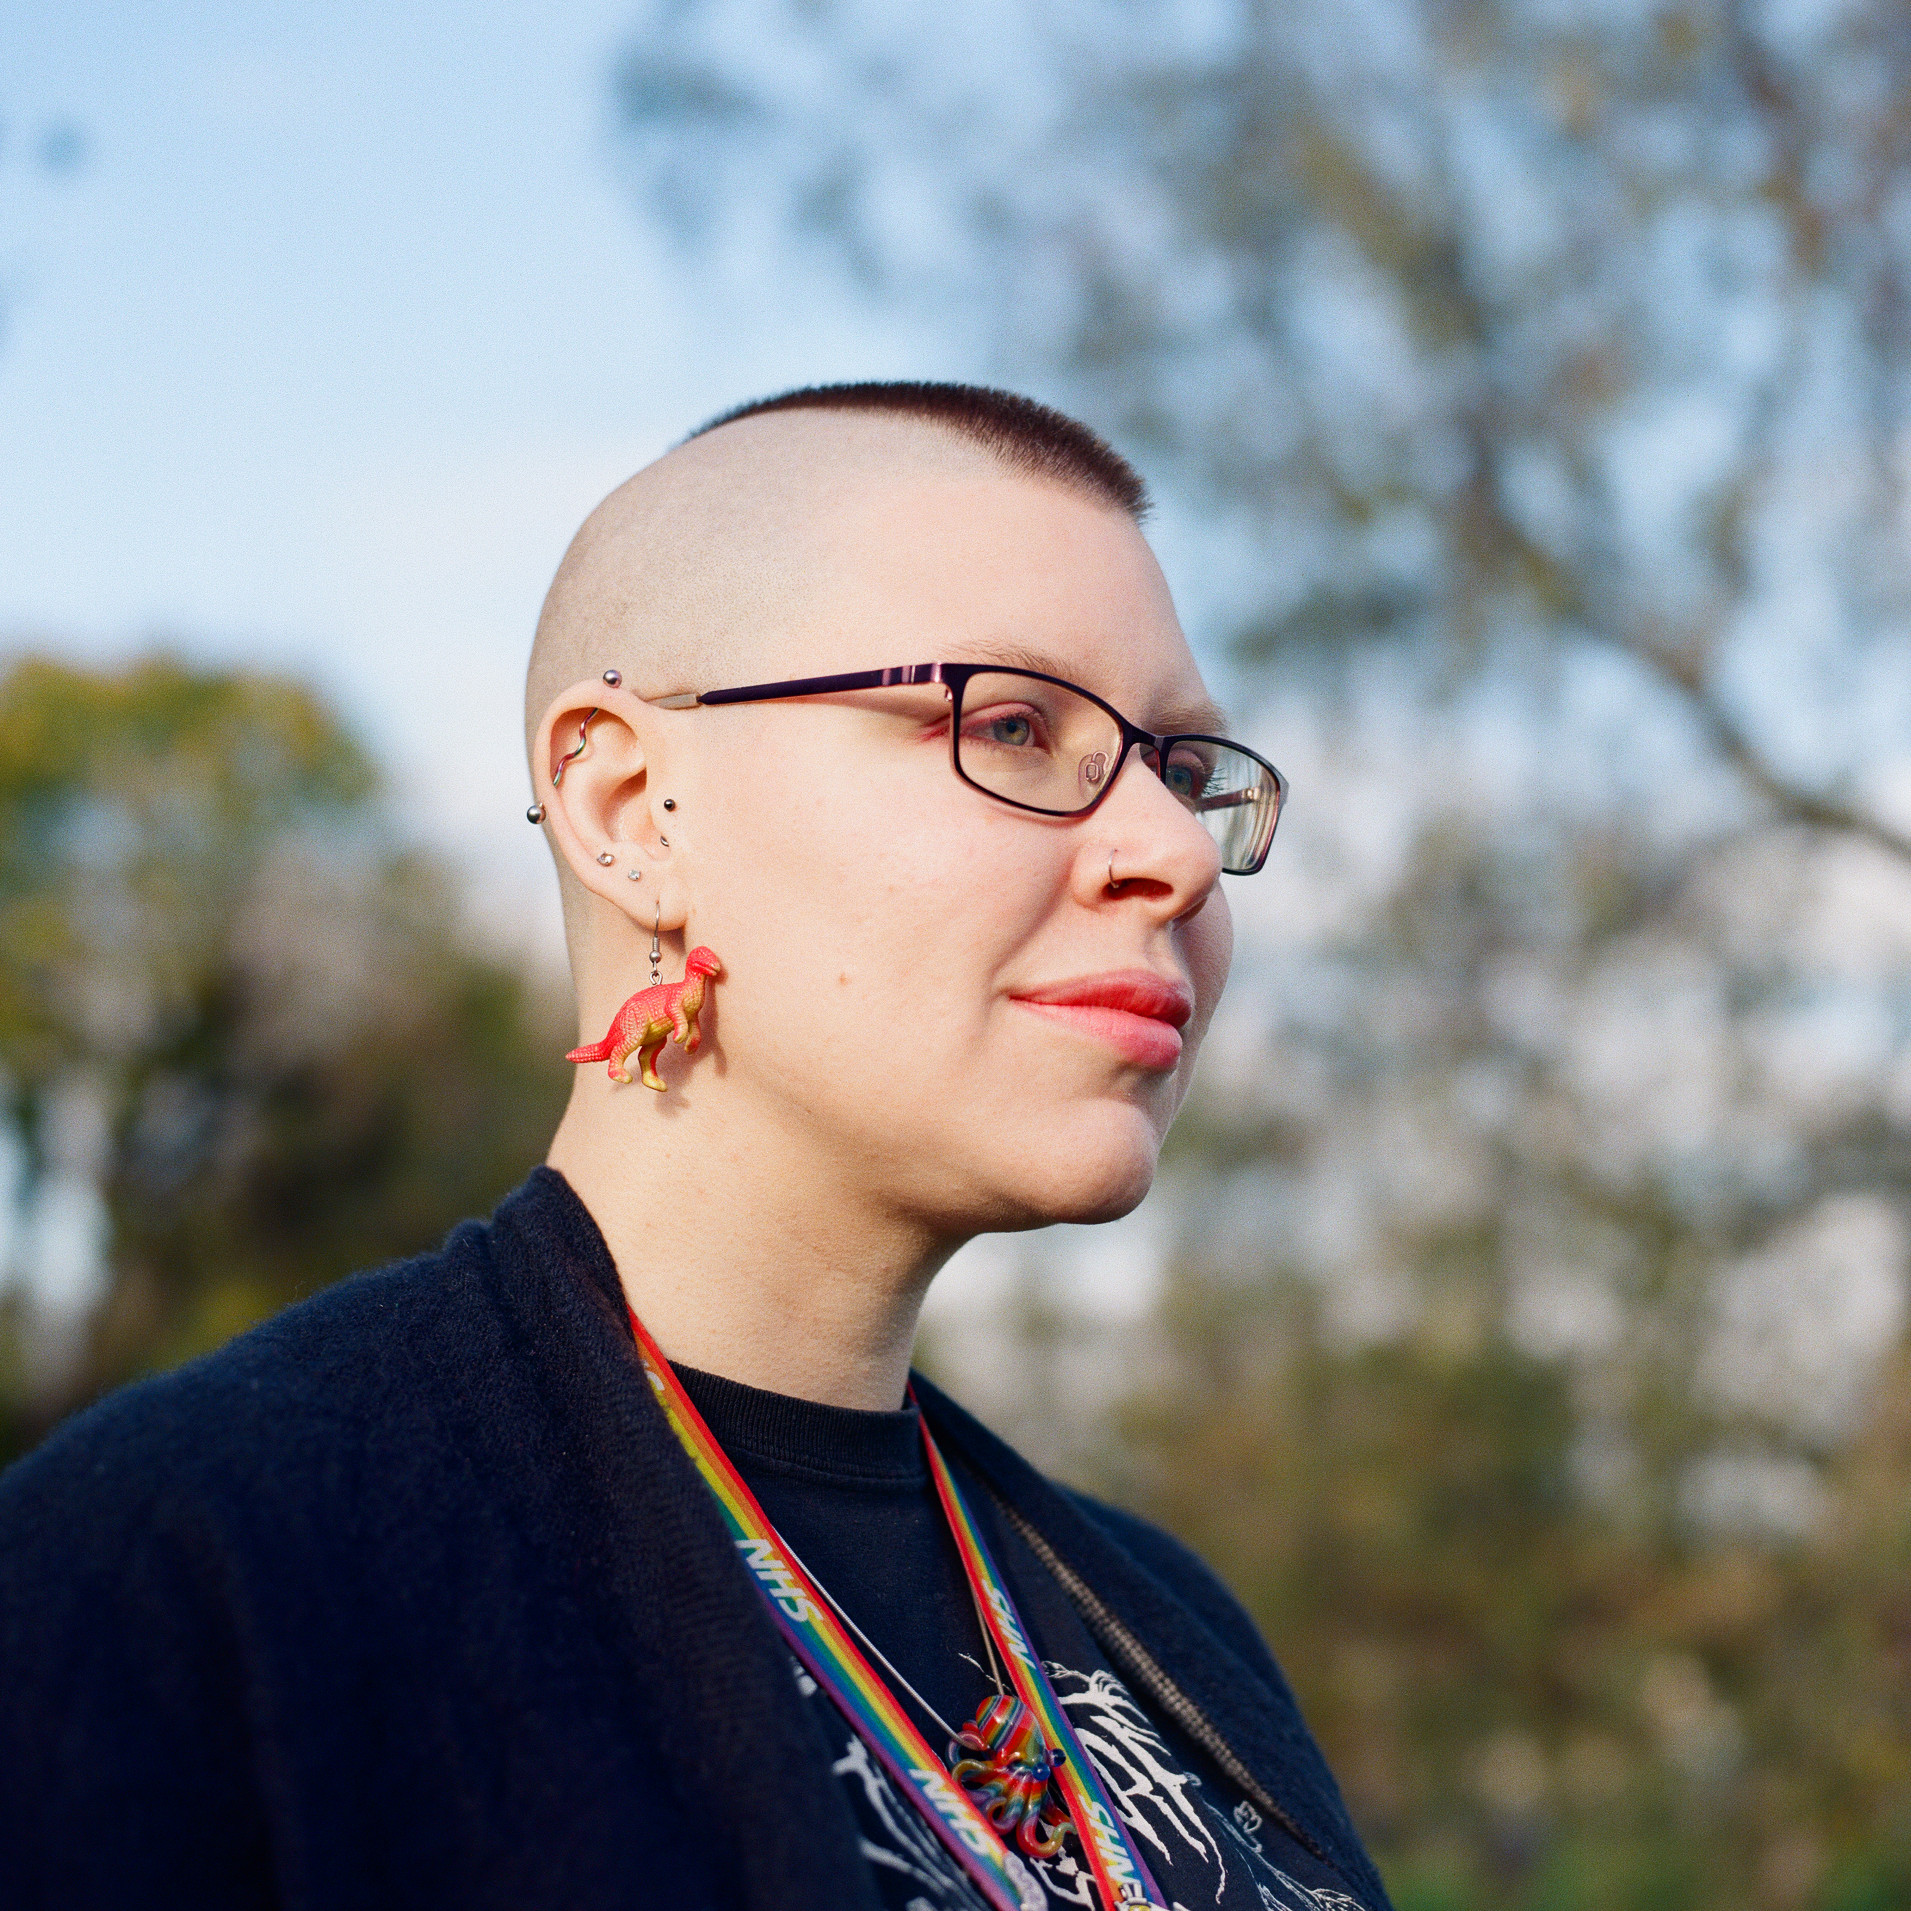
[245, 1047]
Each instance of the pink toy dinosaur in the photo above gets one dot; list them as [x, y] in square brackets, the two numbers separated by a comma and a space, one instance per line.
[650, 1018]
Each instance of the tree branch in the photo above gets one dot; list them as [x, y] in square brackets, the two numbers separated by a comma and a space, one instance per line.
[1726, 735]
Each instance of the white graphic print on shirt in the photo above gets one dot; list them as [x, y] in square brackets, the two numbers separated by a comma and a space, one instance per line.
[1216, 1860]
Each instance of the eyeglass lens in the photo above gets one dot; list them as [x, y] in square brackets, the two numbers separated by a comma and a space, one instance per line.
[1046, 747]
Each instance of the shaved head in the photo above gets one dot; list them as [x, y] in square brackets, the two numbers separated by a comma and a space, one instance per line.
[683, 574]
[727, 560]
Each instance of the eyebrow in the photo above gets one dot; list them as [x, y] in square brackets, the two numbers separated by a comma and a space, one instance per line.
[1199, 715]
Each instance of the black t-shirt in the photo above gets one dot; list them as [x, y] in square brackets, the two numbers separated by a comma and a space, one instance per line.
[850, 1494]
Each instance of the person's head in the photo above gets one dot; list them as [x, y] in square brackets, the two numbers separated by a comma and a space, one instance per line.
[882, 925]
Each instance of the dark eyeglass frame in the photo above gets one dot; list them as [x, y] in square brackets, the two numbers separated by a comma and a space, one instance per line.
[956, 678]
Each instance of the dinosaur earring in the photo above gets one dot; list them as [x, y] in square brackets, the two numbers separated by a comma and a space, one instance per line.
[666, 1011]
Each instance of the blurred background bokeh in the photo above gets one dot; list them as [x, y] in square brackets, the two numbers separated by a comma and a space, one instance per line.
[1520, 1321]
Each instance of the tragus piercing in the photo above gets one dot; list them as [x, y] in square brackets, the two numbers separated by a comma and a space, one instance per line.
[605, 857]
[571, 756]
[535, 814]
[613, 678]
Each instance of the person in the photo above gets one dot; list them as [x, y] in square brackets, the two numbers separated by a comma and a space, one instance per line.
[612, 1555]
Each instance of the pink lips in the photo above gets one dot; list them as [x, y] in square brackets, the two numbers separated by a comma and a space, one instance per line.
[1135, 1011]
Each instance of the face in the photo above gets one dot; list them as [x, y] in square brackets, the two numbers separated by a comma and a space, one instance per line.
[940, 998]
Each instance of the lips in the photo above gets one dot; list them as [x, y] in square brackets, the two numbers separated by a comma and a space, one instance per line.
[1134, 1011]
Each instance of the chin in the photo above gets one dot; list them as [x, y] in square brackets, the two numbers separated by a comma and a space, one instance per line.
[1094, 1166]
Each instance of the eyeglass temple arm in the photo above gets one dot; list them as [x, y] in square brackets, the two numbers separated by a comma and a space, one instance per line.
[804, 686]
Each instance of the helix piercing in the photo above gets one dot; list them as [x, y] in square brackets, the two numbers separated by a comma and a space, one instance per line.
[535, 814]
[613, 678]
[605, 857]
[571, 756]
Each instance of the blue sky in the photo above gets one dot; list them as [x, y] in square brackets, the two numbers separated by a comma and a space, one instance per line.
[321, 356]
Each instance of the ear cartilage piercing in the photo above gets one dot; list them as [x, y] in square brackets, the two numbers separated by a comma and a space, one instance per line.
[571, 756]
[535, 814]
[670, 802]
[613, 678]
[636, 875]
[605, 857]
[665, 840]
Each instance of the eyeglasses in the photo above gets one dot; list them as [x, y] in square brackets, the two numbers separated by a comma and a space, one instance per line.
[1045, 745]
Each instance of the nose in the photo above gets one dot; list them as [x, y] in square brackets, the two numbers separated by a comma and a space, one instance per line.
[1150, 849]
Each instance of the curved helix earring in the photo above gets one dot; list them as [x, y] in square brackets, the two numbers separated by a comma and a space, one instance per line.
[570, 756]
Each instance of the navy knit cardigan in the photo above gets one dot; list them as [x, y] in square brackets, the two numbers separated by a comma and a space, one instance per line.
[411, 1598]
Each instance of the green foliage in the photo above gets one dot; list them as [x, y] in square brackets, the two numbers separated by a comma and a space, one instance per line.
[293, 1062]
[1533, 1700]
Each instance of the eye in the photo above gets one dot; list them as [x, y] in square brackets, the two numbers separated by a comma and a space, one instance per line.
[1188, 772]
[1008, 728]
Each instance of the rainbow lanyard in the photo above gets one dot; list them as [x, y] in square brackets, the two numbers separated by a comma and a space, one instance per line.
[833, 1659]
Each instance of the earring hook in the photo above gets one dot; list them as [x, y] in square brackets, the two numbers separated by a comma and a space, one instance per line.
[656, 948]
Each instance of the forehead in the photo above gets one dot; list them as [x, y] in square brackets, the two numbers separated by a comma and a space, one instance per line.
[997, 570]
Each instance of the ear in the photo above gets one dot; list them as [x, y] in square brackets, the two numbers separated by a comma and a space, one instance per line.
[594, 759]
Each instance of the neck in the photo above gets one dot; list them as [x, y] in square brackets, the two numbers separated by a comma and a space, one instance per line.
[742, 1257]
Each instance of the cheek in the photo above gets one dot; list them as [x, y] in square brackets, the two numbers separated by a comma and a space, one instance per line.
[868, 906]
[1207, 946]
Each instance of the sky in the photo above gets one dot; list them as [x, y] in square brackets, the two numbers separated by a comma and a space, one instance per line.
[320, 356]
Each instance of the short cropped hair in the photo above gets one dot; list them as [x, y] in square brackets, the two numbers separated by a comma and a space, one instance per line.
[1027, 436]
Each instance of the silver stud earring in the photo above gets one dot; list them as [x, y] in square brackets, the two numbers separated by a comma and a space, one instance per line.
[535, 814]
[613, 678]
[636, 875]
[665, 840]
[605, 857]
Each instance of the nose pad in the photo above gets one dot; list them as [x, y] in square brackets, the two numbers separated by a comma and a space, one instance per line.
[1093, 769]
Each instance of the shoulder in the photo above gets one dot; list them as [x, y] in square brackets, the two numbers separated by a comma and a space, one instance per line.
[1184, 1573]
[276, 1406]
